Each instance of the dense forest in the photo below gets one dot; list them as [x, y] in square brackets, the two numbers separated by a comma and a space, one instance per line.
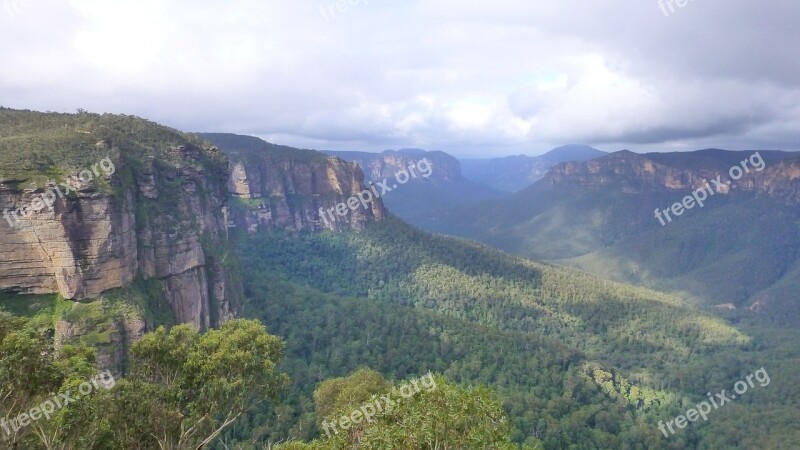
[741, 250]
[523, 354]
[398, 303]
[184, 389]
[578, 362]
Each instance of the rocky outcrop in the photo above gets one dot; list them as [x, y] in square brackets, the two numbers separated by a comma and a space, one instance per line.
[287, 193]
[285, 188]
[111, 337]
[378, 166]
[80, 248]
[157, 221]
[634, 172]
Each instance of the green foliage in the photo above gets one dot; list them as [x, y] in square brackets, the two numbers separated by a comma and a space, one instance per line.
[39, 146]
[540, 381]
[445, 416]
[392, 262]
[31, 370]
[184, 389]
[533, 332]
[192, 386]
[348, 392]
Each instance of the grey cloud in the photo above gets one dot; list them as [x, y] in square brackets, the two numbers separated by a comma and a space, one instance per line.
[501, 77]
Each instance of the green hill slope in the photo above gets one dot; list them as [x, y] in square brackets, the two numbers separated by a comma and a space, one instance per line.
[404, 302]
[740, 248]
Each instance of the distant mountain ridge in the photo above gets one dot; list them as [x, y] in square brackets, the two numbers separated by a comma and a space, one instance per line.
[446, 187]
[741, 248]
[514, 173]
[684, 171]
[377, 166]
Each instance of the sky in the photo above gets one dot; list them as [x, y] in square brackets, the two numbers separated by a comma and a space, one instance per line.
[475, 79]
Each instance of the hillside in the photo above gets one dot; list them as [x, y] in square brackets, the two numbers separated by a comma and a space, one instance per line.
[557, 345]
[422, 195]
[573, 360]
[275, 186]
[514, 173]
[741, 248]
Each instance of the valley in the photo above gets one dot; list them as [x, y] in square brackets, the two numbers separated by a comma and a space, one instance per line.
[570, 359]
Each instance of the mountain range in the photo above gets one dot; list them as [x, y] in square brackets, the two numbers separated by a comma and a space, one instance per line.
[514, 173]
[210, 228]
[739, 250]
[422, 196]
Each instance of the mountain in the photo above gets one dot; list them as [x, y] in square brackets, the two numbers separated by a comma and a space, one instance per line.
[571, 152]
[97, 202]
[576, 360]
[226, 230]
[514, 173]
[437, 186]
[278, 186]
[740, 248]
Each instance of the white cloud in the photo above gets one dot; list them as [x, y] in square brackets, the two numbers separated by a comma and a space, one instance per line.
[508, 76]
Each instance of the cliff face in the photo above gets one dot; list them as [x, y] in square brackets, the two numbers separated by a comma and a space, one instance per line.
[161, 212]
[179, 235]
[377, 166]
[281, 187]
[420, 183]
[288, 194]
[159, 215]
[780, 176]
[80, 248]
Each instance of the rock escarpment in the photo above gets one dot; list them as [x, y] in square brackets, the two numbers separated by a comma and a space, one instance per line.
[157, 215]
[282, 187]
[779, 177]
[379, 166]
[161, 213]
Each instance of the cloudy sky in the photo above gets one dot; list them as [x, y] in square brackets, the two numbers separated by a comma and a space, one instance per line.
[472, 78]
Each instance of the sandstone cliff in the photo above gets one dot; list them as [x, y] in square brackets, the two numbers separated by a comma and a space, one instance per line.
[779, 178]
[377, 166]
[159, 215]
[281, 187]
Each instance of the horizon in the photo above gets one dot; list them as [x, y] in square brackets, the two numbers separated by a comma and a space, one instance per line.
[456, 155]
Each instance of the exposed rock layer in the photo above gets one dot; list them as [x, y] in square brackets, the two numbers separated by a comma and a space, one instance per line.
[284, 187]
[91, 242]
[288, 193]
[780, 176]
